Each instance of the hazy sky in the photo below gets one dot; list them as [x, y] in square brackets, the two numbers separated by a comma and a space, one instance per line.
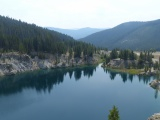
[80, 13]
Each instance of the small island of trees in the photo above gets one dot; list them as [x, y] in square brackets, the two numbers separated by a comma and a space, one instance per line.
[131, 61]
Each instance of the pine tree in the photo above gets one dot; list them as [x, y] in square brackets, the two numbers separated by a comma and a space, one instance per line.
[114, 114]
[28, 38]
[114, 54]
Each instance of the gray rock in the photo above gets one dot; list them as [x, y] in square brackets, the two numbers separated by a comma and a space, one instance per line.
[14, 62]
[155, 84]
[1, 73]
[156, 116]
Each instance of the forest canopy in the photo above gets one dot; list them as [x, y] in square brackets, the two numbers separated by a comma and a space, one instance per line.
[26, 38]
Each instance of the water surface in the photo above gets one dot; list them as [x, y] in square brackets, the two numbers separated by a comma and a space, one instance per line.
[86, 93]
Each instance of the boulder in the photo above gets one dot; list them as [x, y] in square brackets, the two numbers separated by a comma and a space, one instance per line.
[1, 73]
[155, 84]
[156, 116]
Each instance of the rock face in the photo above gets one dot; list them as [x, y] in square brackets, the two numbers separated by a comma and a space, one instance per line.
[12, 63]
[155, 84]
[120, 63]
[156, 116]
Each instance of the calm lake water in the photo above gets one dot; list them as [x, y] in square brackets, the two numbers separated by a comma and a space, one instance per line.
[86, 93]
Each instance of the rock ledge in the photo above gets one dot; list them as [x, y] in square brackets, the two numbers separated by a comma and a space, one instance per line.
[156, 116]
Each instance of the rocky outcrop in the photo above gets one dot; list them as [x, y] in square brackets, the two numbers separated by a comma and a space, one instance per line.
[120, 63]
[156, 116]
[12, 63]
[155, 84]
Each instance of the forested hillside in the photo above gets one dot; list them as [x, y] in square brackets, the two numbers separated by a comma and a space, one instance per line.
[26, 38]
[130, 35]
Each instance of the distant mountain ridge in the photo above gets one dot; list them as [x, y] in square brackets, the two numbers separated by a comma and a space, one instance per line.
[76, 33]
[129, 35]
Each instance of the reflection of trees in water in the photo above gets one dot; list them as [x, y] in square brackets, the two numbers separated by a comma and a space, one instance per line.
[156, 94]
[70, 73]
[77, 74]
[88, 71]
[127, 77]
[124, 77]
[130, 77]
[112, 75]
[145, 79]
[42, 80]
[157, 89]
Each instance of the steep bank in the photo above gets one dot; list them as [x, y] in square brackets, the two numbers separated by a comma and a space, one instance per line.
[14, 62]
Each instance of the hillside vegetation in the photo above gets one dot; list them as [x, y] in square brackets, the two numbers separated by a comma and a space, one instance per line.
[130, 35]
[26, 38]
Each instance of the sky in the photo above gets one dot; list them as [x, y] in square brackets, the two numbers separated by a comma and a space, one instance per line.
[71, 14]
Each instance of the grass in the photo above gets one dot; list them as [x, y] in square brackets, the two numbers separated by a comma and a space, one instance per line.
[133, 71]
[130, 71]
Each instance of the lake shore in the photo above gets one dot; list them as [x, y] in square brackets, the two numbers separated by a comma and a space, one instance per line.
[130, 71]
[14, 62]
[129, 66]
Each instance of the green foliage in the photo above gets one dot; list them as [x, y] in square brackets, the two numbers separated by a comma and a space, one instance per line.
[127, 54]
[145, 60]
[114, 54]
[146, 68]
[70, 53]
[156, 66]
[26, 38]
[107, 59]
[140, 64]
[22, 48]
[114, 114]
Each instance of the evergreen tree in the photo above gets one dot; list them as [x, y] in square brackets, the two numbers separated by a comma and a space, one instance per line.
[126, 54]
[28, 38]
[70, 53]
[142, 56]
[156, 65]
[132, 56]
[114, 54]
[107, 59]
[114, 114]
[121, 54]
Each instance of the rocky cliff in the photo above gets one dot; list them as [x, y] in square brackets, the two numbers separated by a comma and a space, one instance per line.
[12, 63]
[156, 116]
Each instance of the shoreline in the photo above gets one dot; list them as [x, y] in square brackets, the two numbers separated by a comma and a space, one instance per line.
[62, 67]
[130, 71]
[56, 68]
[124, 70]
[14, 63]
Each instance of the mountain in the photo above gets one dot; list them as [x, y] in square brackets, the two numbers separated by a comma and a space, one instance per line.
[130, 35]
[26, 38]
[76, 33]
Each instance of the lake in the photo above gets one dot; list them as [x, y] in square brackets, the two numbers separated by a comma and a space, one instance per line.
[85, 93]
